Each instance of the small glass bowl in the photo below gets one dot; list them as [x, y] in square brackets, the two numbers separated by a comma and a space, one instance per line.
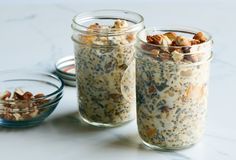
[24, 113]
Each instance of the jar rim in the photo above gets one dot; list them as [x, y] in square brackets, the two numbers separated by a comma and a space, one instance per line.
[77, 21]
[181, 29]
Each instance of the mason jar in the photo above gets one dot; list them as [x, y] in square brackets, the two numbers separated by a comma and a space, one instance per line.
[105, 66]
[171, 90]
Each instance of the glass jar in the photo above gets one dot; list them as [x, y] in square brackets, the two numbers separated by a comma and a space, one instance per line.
[171, 92]
[105, 67]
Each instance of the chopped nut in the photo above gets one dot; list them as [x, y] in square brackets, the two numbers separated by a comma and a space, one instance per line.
[177, 49]
[88, 39]
[195, 41]
[24, 107]
[171, 35]
[173, 43]
[8, 116]
[159, 40]
[170, 42]
[34, 113]
[5, 95]
[18, 94]
[23, 104]
[19, 91]
[26, 116]
[39, 95]
[182, 41]
[165, 41]
[156, 39]
[200, 36]
[94, 27]
[104, 39]
[17, 116]
[177, 57]
[27, 96]
[165, 56]
[130, 37]
[119, 24]
[155, 53]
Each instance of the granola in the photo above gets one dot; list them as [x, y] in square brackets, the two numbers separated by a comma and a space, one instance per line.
[171, 84]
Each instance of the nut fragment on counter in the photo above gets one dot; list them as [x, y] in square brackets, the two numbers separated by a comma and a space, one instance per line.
[21, 105]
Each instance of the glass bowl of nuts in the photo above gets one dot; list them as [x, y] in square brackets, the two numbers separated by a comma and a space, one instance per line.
[27, 98]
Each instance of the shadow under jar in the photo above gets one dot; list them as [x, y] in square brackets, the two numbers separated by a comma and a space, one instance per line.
[105, 67]
[171, 89]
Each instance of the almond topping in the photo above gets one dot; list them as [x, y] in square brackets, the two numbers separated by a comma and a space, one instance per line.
[200, 36]
[182, 41]
[171, 35]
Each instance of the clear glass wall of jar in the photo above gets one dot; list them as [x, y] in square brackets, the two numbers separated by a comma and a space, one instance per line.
[105, 66]
[172, 90]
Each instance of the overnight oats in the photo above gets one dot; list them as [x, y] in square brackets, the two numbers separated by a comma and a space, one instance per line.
[172, 69]
[105, 65]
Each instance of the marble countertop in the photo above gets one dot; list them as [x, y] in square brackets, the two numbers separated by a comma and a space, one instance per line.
[34, 35]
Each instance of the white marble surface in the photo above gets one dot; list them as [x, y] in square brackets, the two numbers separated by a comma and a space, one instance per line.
[35, 34]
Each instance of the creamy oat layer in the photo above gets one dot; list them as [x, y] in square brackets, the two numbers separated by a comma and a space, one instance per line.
[171, 86]
[106, 80]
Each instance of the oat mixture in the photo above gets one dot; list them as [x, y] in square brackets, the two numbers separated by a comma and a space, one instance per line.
[21, 105]
[106, 79]
[171, 84]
